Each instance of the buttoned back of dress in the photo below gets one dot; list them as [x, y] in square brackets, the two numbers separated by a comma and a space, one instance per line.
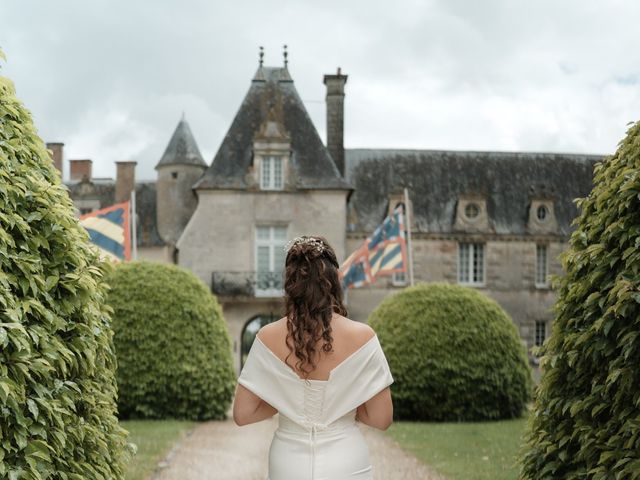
[318, 413]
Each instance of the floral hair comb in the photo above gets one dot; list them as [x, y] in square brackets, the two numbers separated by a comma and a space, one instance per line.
[318, 245]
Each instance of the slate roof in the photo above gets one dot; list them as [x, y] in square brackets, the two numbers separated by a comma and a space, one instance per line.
[272, 90]
[104, 191]
[182, 148]
[435, 179]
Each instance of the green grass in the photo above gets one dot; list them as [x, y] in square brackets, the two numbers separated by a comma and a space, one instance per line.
[154, 439]
[464, 451]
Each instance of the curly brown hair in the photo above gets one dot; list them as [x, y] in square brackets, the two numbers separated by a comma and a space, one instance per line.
[313, 292]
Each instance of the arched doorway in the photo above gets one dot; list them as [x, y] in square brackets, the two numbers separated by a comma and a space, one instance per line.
[249, 333]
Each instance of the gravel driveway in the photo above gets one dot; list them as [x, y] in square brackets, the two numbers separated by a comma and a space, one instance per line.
[223, 451]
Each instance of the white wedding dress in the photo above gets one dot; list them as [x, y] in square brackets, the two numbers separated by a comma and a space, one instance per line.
[317, 436]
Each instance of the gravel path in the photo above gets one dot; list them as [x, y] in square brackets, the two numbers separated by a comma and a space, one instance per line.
[224, 451]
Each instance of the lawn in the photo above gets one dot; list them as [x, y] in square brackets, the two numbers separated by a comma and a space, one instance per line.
[154, 439]
[464, 451]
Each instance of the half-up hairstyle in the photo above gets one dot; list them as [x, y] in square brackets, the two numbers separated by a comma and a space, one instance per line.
[312, 293]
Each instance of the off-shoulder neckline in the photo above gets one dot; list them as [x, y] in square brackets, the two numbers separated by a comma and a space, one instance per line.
[331, 372]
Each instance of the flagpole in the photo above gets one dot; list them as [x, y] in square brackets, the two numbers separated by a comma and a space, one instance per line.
[409, 246]
[134, 222]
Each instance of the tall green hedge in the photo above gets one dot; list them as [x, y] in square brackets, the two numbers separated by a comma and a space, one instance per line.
[57, 385]
[586, 422]
[454, 353]
[172, 344]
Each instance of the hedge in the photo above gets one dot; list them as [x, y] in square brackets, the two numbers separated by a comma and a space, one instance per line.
[454, 353]
[172, 344]
[586, 420]
[57, 384]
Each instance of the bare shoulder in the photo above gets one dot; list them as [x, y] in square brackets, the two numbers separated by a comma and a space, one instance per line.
[359, 332]
[271, 333]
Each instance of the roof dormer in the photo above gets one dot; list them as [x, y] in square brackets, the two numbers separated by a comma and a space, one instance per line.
[270, 169]
[542, 217]
[471, 214]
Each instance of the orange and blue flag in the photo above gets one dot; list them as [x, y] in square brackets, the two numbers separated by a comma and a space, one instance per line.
[109, 231]
[384, 252]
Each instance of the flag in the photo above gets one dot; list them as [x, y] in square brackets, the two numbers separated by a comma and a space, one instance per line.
[384, 252]
[109, 231]
[355, 269]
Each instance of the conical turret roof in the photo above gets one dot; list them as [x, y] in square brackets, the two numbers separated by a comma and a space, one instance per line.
[182, 148]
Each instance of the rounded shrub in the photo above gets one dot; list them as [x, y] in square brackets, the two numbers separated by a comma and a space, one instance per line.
[586, 418]
[57, 364]
[454, 353]
[172, 344]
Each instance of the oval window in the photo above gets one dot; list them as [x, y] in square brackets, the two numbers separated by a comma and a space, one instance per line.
[471, 210]
[542, 213]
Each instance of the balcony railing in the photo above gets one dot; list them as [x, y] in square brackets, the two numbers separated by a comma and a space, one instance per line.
[247, 284]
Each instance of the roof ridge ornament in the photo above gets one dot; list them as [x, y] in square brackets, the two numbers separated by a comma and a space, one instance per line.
[261, 55]
[285, 54]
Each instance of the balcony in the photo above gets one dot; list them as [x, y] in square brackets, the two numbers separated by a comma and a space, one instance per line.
[247, 284]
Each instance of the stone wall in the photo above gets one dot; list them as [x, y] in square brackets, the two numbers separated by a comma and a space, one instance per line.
[509, 277]
[220, 237]
[176, 200]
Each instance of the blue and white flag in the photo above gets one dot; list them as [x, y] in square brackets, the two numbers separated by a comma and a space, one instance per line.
[109, 231]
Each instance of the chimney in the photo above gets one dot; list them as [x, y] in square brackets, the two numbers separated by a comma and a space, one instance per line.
[79, 169]
[125, 180]
[335, 117]
[56, 154]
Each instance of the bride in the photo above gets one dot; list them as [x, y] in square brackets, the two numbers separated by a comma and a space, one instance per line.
[320, 371]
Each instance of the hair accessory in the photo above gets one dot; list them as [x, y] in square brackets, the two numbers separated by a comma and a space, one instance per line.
[318, 245]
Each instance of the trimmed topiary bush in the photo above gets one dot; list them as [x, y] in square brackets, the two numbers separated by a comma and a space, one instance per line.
[57, 384]
[586, 419]
[172, 344]
[454, 353]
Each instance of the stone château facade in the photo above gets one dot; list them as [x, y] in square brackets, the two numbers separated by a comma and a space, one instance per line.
[495, 221]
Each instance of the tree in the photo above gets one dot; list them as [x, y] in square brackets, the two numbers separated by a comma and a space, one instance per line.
[172, 344]
[586, 419]
[57, 381]
[454, 354]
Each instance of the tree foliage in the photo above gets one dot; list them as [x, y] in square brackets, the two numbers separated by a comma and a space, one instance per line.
[172, 344]
[586, 422]
[454, 354]
[57, 384]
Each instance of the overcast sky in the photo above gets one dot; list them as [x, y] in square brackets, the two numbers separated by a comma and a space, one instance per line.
[111, 79]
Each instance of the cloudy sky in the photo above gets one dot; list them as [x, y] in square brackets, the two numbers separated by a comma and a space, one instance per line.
[111, 78]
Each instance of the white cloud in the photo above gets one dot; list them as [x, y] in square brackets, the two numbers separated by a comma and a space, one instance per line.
[111, 78]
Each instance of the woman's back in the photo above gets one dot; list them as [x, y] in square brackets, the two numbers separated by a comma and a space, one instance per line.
[317, 435]
[319, 371]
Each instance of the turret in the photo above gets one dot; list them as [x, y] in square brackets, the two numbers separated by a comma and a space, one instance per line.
[179, 168]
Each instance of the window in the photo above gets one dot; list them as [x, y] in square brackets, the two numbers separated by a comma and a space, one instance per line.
[471, 210]
[471, 263]
[174, 175]
[541, 332]
[270, 256]
[541, 266]
[271, 177]
[84, 211]
[399, 279]
[542, 213]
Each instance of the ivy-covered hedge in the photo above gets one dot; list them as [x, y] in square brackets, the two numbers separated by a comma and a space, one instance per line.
[57, 385]
[586, 420]
[454, 353]
[172, 344]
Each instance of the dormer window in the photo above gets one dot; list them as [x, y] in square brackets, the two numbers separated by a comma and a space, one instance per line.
[542, 217]
[271, 177]
[471, 213]
[471, 210]
[542, 213]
